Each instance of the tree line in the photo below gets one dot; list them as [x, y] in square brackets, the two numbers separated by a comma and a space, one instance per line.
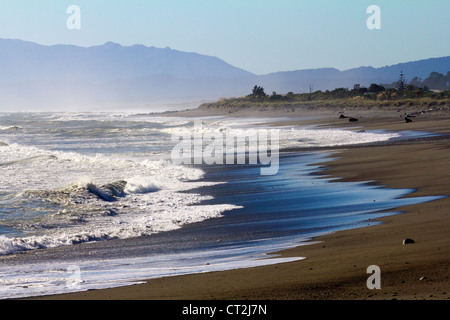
[400, 89]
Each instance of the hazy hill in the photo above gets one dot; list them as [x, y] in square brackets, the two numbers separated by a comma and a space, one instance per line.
[330, 78]
[25, 61]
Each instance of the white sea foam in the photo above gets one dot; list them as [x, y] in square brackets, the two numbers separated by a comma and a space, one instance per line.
[309, 137]
[150, 201]
[289, 137]
[9, 127]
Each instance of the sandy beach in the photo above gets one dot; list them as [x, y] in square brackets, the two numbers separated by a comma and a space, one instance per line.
[336, 264]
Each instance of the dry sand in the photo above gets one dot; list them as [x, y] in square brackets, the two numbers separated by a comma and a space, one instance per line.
[336, 264]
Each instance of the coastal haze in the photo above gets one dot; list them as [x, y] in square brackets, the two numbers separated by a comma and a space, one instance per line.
[64, 77]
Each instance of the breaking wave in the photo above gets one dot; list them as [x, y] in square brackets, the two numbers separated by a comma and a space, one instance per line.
[58, 198]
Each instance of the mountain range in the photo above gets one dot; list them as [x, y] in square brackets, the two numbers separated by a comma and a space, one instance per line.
[35, 76]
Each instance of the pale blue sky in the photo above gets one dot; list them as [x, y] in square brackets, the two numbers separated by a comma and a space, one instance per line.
[260, 36]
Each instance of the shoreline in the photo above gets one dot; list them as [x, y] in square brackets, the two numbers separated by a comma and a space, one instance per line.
[335, 264]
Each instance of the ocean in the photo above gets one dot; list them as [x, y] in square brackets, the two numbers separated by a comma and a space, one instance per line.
[94, 199]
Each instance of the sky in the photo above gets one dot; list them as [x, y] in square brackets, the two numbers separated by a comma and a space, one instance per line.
[260, 36]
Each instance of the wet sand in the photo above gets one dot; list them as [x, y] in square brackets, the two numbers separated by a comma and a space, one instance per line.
[336, 264]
